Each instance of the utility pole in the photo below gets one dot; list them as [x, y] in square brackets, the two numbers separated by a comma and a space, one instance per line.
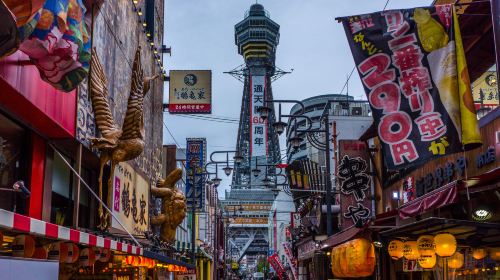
[329, 218]
[193, 212]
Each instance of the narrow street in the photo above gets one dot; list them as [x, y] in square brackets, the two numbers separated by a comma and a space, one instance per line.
[249, 140]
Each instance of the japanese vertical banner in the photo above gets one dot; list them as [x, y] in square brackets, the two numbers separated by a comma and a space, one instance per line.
[196, 154]
[258, 126]
[412, 66]
[355, 183]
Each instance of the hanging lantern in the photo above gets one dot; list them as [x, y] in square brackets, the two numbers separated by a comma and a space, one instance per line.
[495, 254]
[73, 253]
[355, 258]
[410, 250]
[446, 244]
[425, 244]
[23, 246]
[456, 260]
[479, 253]
[87, 257]
[40, 253]
[58, 251]
[395, 249]
[129, 260]
[137, 261]
[104, 254]
[427, 259]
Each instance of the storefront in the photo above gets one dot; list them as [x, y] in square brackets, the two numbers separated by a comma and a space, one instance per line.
[77, 254]
[450, 202]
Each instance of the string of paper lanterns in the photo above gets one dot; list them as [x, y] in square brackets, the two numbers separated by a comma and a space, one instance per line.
[428, 247]
[150, 38]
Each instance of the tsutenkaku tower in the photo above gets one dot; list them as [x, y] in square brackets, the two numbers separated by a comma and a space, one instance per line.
[257, 37]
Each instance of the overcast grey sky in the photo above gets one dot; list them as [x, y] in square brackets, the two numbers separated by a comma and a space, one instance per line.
[201, 34]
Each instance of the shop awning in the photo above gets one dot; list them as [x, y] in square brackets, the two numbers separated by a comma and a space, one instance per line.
[466, 232]
[342, 237]
[165, 259]
[438, 198]
[23, 224]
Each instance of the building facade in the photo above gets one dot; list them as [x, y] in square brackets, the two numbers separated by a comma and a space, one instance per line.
[45, 140]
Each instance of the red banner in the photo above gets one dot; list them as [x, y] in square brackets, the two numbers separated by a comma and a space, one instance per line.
[275, 262]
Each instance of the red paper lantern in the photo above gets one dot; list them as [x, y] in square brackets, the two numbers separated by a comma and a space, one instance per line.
[87, 257]
[73, 253]
[41, 253]
[104, 254]
[58, 251]
[23, 246]
[129, 260]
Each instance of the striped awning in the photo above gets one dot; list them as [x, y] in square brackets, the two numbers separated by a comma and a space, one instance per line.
[20, 223]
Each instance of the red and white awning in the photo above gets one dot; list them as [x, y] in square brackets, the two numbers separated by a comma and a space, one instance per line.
[21, 223]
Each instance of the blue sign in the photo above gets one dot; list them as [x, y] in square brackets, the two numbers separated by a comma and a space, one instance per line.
[271, 251]
[196, 156]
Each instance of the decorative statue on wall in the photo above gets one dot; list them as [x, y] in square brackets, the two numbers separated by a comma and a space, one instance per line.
[115, 144]
[173, 206]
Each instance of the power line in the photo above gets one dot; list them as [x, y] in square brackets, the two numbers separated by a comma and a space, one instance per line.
[353, 68]
[385, 6]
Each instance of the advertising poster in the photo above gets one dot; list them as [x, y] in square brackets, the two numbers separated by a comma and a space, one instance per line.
[196, 156]
[130, 199]
[190, 92]
[413, 69]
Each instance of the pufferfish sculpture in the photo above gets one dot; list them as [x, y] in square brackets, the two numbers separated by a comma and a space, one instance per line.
[173, 206]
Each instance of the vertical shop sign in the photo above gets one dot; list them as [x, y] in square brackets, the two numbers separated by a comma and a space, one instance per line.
[295, 218]
[412, 66]
[292, 262]
[258, 126]
[275, 262]
[409, 189]
[196, 154]
[130, 199]
[355, 183]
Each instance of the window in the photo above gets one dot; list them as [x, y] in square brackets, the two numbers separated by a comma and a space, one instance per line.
[13, 164]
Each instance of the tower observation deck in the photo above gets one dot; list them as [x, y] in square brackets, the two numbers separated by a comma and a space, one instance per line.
[257, 37]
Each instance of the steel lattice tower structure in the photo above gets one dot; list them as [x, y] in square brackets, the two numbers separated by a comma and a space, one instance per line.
[257, 37]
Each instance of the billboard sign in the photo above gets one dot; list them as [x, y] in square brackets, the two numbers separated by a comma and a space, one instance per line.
[130, 199]
[413, 69]
[196, 155]
[190, 92]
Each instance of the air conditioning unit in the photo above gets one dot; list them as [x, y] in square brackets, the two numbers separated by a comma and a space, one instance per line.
[356, 111]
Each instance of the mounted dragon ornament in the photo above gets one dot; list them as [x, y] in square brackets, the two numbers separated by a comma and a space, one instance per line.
[117, 144]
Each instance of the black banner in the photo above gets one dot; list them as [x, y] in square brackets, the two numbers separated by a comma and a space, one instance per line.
[408, 62]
